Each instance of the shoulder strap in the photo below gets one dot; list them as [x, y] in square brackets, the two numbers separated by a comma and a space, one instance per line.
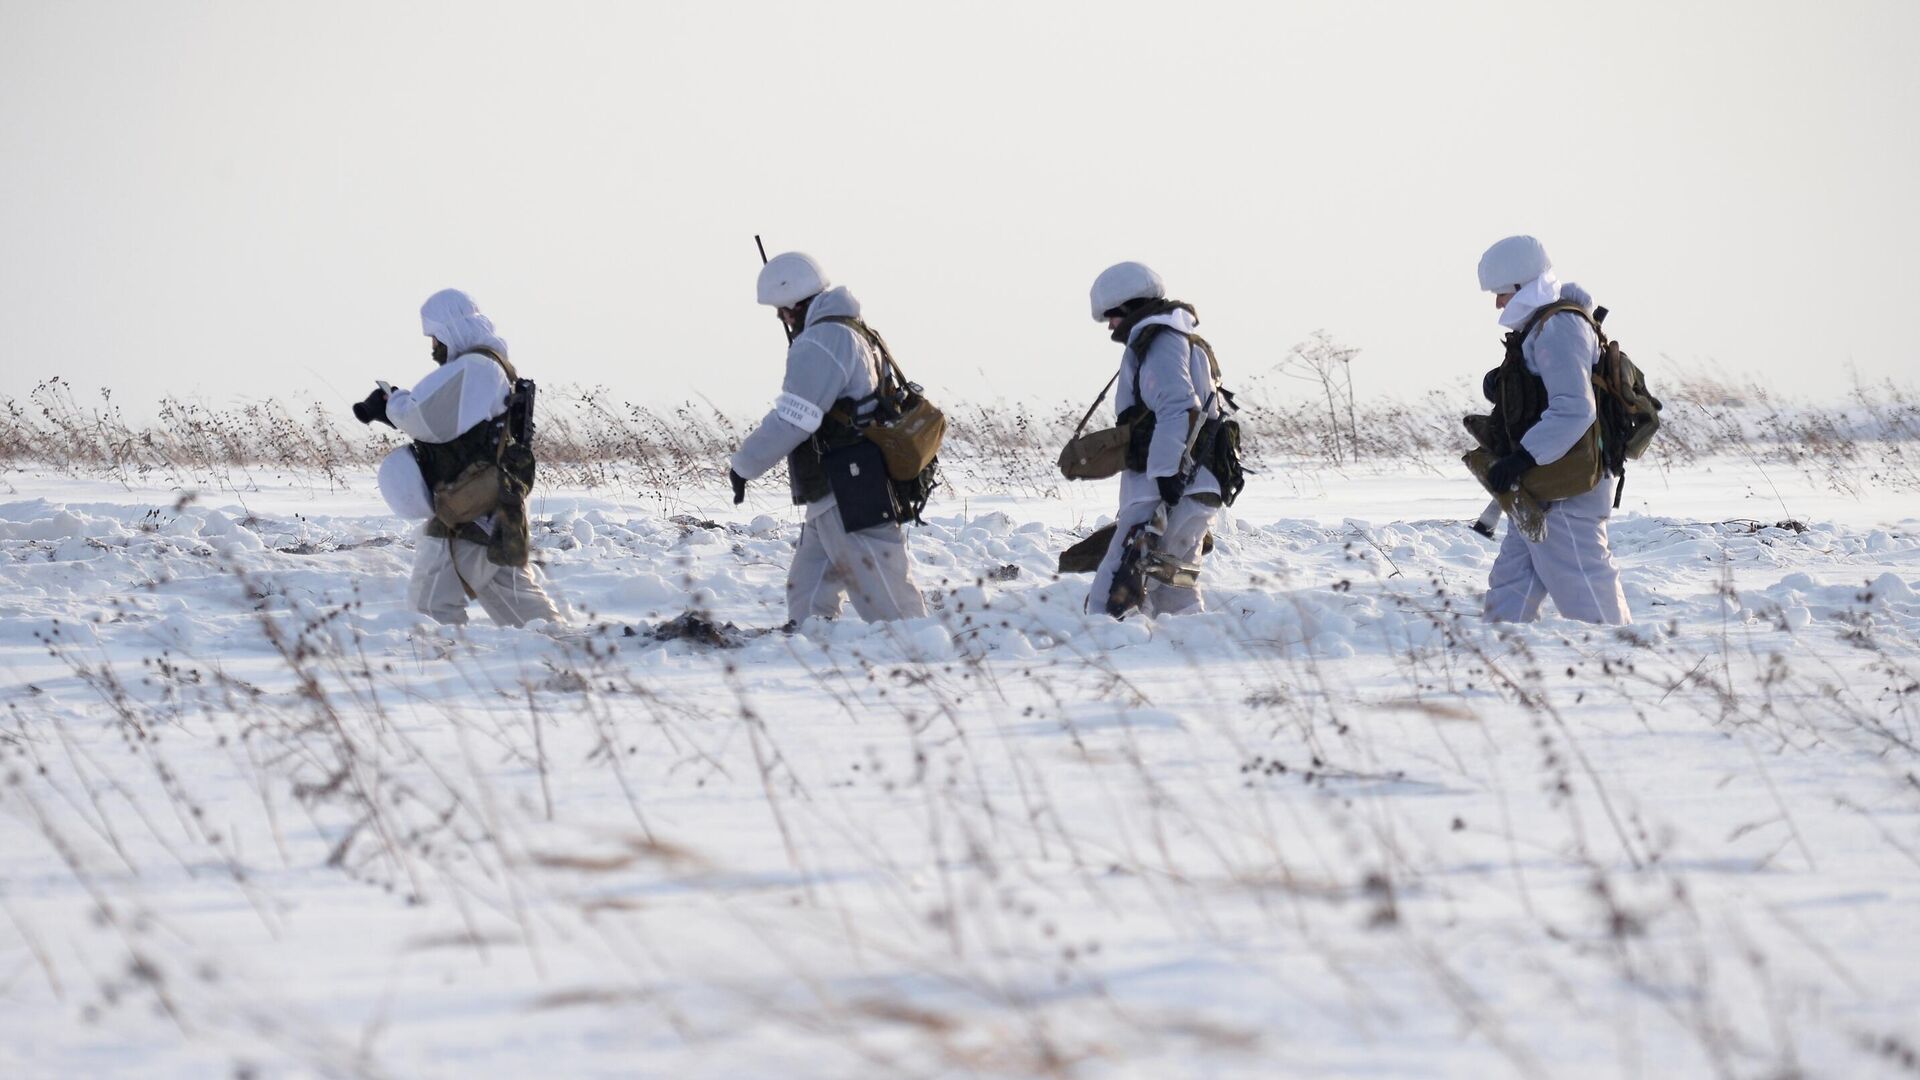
[500, 443]
[1206, 348]
[887, 367]
[1082, 426]
[512, 375]
[1539, 317]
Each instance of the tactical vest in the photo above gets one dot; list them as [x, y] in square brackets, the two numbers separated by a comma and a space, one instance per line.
[442, 463]
[1520, 396]
[807, 476]
[1139, 416]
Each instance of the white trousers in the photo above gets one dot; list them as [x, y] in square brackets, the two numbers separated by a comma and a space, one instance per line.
[870, 565]
[1574, 565]
[1187, 525]
[509, 594]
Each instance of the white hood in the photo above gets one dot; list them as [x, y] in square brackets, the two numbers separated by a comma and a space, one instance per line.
[1532, 296]
[1179, 318]
[836, 301]
[453, 319]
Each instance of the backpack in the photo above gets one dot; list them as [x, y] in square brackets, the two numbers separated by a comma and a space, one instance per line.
[1629, 414]
[908, 428]
[1632, 415]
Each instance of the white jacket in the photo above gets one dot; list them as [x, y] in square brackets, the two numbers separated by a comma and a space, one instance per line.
[462, 392]
[1174, 380]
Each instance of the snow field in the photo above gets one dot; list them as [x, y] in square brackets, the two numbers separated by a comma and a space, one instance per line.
[259, 817]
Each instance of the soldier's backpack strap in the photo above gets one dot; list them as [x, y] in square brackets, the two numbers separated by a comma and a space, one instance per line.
[1206, 348]
[1547, 311]
[512, 375]
[1082, 426]
[887, 368]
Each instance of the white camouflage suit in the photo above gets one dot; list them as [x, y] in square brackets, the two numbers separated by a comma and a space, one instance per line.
[470, 388]
[826, 362]
[1175, 381]
[1574, 564]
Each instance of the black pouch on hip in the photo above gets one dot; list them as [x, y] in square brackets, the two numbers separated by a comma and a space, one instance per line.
[857, 475]
[1139, 436]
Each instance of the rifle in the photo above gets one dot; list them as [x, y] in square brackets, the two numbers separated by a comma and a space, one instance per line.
[788, 330]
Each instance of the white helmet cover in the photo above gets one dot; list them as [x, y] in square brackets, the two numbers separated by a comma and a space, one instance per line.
[1122, 282]
[789, 278]
[1512, 263]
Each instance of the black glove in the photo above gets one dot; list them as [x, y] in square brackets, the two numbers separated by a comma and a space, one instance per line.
[1171, 488]
[739, 487]
[1490, 386]
[374, 408]
[1505, 474]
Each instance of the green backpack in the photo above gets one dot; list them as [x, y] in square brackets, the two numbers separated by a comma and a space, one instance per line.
[1629, 413]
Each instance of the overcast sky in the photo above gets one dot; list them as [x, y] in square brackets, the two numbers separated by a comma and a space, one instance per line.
[239, 200]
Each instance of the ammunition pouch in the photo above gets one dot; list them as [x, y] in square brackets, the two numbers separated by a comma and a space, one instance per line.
[1217, 448]
[498, 487]
[511, 543]
[806, 466]
[470, 496]
[1139, 422]
[807, 479]
[1576, 472]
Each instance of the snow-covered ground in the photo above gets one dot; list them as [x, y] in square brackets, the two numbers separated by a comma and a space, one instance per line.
[258, 819]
